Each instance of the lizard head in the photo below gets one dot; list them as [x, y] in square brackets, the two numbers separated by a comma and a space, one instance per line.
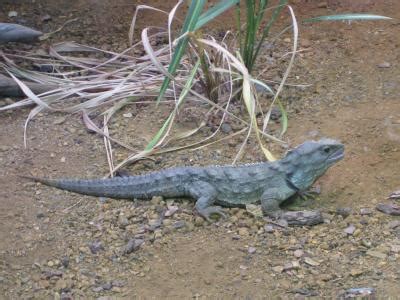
[308, 161]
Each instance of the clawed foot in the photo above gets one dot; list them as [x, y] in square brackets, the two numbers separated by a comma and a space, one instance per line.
[208, 211]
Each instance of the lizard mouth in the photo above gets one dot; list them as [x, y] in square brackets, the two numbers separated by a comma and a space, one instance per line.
[336, 156]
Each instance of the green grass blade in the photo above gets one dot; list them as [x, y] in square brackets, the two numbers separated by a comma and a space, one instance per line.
[162, 133]
[191, 20]
[274, 16]
[284, 118]
[214, 12]
[348, 17]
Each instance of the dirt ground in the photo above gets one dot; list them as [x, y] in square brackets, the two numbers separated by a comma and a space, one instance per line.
[55, 244]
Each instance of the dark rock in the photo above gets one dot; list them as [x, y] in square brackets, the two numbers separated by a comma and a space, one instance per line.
[107, 286]
[276, 114]
[343, 211]
[96, 247]
[133, 245]
[10, 32]
[389, 208]
[179, 224]
[65, 261]
[226, 128]
[52, 273]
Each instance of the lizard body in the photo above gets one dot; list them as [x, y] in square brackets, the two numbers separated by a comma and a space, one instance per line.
[270, 183]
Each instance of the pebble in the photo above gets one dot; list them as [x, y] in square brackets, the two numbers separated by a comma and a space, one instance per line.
[311, 262]
[365, 211]
[107, 286]
[251, 250]
[376, 254]
[268, 228]
[96, 247]
[226, 128]
[394, 224]
[59, 120]
[123, 221]
[12, 14]
[179, 224]
[133, 245]
[294, 265]
[243, 231]
[350, 229]
[298, 253]
[199, 221]
[65, 261]
[343, 211]
[278, 269]
[384, 65]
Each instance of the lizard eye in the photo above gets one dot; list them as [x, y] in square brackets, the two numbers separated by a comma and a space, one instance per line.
[327, 149]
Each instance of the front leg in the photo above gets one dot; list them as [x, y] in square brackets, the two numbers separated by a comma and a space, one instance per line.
[270, 202]
[272, 198]
[205, 194]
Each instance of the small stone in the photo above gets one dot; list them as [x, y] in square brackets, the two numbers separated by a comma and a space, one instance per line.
[199, 221]
[226, 128]
[277, 269]
[133, 245]
[123, 221]
[96, 247]
[63, 159]
[127, 115]
[294, 265]
[366, 243]
[59, 120]
[46, 18]
[12, 14]
[65, 261]
[156, 200]
[276, 114]
[268, 228]
[376, 254]
[243, 231]
[311, 262]
[287, 40]
[158, 234]
[251, 250]
[356, 272]
[107, 286]
[395, 248]
[343, 211]
[366, 211]
[322, 4]
[394, 224]
[40, 215]
[179, 224]
[50, 263]
[4, 148]
[350, 229]
[171, 210]
[298, 253]
[384, 65]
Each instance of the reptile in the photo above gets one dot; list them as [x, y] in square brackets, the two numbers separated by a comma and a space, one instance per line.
[270, 183]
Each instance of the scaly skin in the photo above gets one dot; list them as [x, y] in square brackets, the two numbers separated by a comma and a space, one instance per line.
[270, 183]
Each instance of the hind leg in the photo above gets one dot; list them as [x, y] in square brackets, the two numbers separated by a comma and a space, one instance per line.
[205, 194]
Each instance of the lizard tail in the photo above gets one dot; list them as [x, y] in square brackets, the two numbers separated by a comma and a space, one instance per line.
[118, 187]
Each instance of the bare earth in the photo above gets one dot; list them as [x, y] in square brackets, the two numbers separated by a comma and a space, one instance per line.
[55, 244]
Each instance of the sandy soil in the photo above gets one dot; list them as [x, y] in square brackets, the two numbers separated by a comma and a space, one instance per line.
[55, 244]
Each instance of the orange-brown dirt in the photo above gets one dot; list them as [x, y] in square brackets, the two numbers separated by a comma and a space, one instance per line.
[48, 237]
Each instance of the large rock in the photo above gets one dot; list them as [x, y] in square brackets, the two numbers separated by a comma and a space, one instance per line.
[17, 33]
